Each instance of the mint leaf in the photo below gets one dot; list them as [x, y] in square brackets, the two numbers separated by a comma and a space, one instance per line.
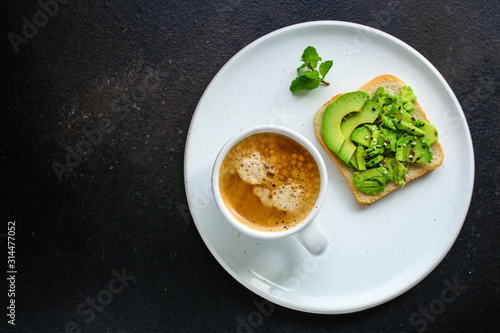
[311, 78]
[303, 83]
[310, 57]
[312, 75]
[303, 66]
[325, 67]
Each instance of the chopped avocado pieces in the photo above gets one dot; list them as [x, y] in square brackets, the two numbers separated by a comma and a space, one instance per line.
[403, 148]
[412, 149]
[360, 158]
[354, 162]
[407, 94]
[371, 181]
[387, 122]
[382, 98]
[378, 137]
[367, 114]
[362, 136]
[389, 139]
[335, 113]
[396, 171]
[410, 128]
[374, 161]
[430, 132]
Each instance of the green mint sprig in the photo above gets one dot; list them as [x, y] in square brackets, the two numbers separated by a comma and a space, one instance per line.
[311, 78]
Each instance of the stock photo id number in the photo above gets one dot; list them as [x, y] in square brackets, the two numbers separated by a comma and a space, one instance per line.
[10, 237]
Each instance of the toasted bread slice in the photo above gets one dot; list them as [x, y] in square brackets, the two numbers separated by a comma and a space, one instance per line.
[393, 86]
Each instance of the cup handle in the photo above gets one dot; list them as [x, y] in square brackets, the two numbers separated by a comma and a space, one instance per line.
[313, 238]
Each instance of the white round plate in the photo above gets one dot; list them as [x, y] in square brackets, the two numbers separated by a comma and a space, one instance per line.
[377, 252]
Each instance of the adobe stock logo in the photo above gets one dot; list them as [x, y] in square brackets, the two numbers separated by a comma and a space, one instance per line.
[256, 318]
[90, 140]
[427, 314]
[39, 20]
[89, 309]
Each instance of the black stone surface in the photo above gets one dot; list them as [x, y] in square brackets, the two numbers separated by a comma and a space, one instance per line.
[127, 76]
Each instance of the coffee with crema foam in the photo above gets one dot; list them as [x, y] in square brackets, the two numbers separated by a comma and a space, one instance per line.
[269, 182]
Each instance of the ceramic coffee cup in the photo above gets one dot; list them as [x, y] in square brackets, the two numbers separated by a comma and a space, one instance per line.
[307, 231]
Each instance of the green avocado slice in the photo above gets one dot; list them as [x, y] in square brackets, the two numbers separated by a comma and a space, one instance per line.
[370, 181]
[421, 152]
[362, 136]
[353, 162]
[387, 122]
[395, 171]
[413, 149]
[403, 148]
[334, 114]
[368, 114]
[360, 157]
[389, 139]
[430, 132]
[374, 161]
[410, 128]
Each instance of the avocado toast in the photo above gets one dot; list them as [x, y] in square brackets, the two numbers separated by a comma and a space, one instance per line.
[378, 136]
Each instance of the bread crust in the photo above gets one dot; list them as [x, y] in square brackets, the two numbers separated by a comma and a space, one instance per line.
[392, 85]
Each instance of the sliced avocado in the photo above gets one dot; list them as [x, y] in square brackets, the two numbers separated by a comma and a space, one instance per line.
[413, 149]
[389, 139]
[398, 111]
[374, 151]
[389, 173]
[375, 135]
[387, 122]
[377, 142]
[430, 132]
[370, 181]
[396, 171]
[420, 152]
[374, 161]
[368, 114]
[362, 136]
[353, 162]
[335, 112]
[410, 128]
[403, 148]
[360, 157]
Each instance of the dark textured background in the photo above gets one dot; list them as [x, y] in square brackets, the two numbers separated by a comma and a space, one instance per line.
[137, 69]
